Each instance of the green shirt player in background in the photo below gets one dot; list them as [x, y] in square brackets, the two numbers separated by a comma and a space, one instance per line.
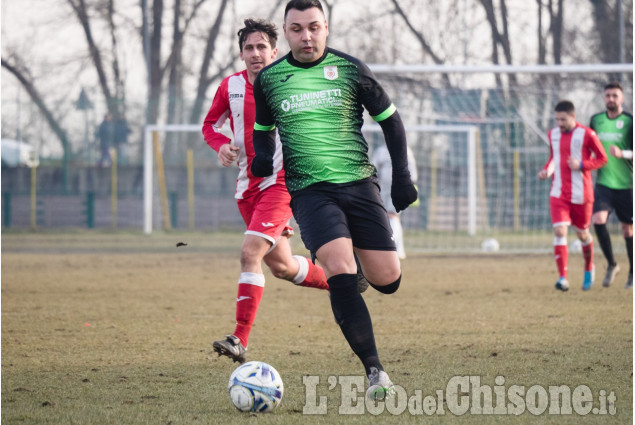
[614, 184]
[315, 97]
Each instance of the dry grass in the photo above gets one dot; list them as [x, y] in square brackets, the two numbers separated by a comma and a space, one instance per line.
[117, 329]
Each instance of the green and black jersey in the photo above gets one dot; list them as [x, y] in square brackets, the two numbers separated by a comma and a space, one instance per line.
[618, 172]
[318, 110]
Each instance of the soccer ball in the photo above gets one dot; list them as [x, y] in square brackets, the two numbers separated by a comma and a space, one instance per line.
[255, 387]
[490, 245]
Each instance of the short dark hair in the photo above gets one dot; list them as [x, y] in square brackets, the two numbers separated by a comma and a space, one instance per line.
[614, 85]
[258, 25]
[302, 5]
[565, 106]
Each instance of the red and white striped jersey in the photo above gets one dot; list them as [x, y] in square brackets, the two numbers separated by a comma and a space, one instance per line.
[234, 99]
[581, 143]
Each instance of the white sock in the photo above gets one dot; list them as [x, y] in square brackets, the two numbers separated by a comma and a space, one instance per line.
[303, 269]
[397, 232]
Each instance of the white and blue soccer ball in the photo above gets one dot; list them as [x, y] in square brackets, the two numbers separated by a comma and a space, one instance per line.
[255, 387]
[490, 245]
[576, 246]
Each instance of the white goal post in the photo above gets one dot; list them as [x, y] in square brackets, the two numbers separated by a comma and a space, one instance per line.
[502, 69]
[148, 165]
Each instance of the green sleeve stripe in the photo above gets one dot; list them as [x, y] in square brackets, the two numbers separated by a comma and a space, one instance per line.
[264, 127]
[387, 113]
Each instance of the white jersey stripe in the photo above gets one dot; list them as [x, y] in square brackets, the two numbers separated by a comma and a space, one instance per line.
[577, 182]
[556, 186]
[236, 89]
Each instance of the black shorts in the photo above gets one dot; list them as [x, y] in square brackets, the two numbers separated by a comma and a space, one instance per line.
[607, 199]
[326, 211]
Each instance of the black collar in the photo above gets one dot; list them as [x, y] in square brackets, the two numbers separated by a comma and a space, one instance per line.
[293, 61]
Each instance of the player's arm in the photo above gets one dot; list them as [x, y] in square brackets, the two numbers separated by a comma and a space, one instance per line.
[595, 146]
[402, 189]
[264, 138]
[216, 117]
[378, 104]
[626, 153]
[549, 167]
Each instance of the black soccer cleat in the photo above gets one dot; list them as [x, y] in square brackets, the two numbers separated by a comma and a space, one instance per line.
[362, 282]
[232, 348]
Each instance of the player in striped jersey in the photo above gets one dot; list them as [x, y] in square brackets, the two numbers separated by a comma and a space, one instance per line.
[262, 202]
[614, 185]
[575, 151]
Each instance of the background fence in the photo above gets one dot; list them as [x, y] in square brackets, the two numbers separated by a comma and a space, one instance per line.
[507, 201]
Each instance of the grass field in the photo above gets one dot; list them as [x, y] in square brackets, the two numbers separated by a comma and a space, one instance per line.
[117, 329]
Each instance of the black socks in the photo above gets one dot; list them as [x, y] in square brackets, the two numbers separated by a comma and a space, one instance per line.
[351, 314]
[605, 242]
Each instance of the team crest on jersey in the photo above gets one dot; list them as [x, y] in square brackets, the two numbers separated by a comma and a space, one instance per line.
[330, 72]
[619, 125]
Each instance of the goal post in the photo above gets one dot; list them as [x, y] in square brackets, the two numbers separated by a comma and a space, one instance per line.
[148, 165]
[471, 133]
[151, 135]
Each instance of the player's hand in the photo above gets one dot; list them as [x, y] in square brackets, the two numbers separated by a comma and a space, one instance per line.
[402, 195]
[262, 166]
[543, 174]
[227, 154]
[615, 151]
[574, 164]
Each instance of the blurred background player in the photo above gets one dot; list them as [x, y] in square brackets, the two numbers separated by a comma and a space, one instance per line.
[315, 97]
[614, 184]
[381, 159]
[106, 134]
[263, 202]
[571, 197]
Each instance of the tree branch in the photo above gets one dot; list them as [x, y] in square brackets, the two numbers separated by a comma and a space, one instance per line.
[80, 11]
[29, 86]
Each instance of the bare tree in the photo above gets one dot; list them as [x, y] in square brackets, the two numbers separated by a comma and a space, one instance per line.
[557, 21]
[606, 24]
[81, 12]
[500, 37]
[151, 35]
[423, 42]
[22, 74]
[204, 80]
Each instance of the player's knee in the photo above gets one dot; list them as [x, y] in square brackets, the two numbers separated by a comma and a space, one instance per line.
[391, 288]
[279, 270]
[249, 258]
[583, 234]
[560, 231]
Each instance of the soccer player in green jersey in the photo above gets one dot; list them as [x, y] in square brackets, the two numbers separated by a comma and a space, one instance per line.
[614, 185]
[315, 97]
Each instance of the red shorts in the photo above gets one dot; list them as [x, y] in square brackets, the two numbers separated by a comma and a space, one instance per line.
[565, 213]
[267, 213]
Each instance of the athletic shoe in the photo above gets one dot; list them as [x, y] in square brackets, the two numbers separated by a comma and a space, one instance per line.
[562, 284]
[629, 282]
[589, 278]
[362, 282]
[288, 232]
[379, 385]
[611, 272]
[232, 348]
